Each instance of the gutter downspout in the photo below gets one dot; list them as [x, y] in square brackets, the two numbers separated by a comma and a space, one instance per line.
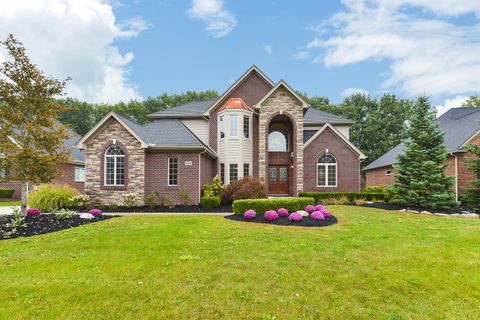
[456, 175]
[200, 174]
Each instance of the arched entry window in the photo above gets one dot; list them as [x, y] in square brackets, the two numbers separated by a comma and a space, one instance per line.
[327, 171]
[114, 166]
[277, 141]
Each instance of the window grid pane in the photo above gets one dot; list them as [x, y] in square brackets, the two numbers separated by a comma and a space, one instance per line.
[172, 171]
[246, 127]
[273, 174]
[283, 174]
[246, 169]
[233, 172]
[332, 175]
[222, 127]
[222, 172]
[321, 178]
[110, 170]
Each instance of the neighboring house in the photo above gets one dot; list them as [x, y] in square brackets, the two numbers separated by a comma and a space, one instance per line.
[256, 128]
[461, 127]
[72, 172]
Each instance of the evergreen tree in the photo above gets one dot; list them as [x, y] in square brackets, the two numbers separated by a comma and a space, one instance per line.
[471, 195]
[421, 180]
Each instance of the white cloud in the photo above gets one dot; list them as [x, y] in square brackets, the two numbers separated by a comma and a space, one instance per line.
[220, 22]
[349, 91]
[301, 55]
[267, 48]
[75, 38]
[451, 103]
[425, 50]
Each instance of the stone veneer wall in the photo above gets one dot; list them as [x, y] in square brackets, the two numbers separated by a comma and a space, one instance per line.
[94, 158]
[282, 101]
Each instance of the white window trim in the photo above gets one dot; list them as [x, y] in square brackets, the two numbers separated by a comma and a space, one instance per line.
[115, 184]
[238, 175]
[168, 171]
[220, 127]
[388, 172]
[243, 169]
[75, 174]
[238, 126]
[249, 127]
[326, 173]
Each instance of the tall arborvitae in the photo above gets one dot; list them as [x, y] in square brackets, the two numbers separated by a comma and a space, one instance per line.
[421, 180]
[471, 195]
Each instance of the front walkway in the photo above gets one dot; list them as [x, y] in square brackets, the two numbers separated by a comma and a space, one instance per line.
[6, 210]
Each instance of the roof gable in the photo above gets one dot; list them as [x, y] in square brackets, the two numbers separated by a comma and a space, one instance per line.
[282, 84]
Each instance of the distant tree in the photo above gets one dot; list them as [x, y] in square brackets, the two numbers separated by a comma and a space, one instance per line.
[421, 180]
[80, 115]
[471, 194]
[32, 140]
[473, 101]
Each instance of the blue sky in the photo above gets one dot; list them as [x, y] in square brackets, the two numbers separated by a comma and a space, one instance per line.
[119, 50]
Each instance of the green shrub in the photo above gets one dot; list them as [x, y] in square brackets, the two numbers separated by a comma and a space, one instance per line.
[375, 189]
[246, 188]
[262, 205]
[320, 197]
[6, 192]
[185, 197]
[210, 202]
[52, 196]
[215, 188]
[63, 214]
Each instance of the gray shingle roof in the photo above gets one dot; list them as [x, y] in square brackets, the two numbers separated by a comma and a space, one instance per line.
[164, 133]
[75, 153]
[190, 109]
[321, 117]
[458, 124]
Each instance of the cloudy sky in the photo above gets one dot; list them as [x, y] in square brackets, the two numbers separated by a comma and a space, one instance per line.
[121, 50]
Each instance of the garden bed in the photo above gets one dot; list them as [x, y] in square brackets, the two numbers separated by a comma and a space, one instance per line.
[45, 223]
[194, 208]
[393, 207]
[283, 221]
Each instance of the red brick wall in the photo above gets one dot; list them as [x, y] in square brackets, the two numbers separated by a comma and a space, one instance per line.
[348, 164]
[207, 170]
[377, 176]
[156, 174]
[251, 90]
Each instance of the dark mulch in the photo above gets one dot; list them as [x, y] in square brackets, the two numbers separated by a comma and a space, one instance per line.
[195, 208]
[43, 224]
[388, 206]
[283, 221]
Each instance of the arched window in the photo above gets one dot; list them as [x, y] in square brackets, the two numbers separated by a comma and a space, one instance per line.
[327, 171]
[114, 166]
[277, 141]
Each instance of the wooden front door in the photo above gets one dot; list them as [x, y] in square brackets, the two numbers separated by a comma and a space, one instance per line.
[278, 180]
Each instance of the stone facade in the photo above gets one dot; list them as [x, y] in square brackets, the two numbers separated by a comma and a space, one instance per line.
[348, 163]
[112, 131]
[282, 102]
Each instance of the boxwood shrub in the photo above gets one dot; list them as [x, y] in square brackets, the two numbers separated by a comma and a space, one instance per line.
[319, 196]
[210, 202]
[6, 192]
[262, 205]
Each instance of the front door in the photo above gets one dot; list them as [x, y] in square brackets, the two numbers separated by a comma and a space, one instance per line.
[278, 180]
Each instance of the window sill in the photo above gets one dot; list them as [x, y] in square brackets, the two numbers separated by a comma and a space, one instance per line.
[118, 188]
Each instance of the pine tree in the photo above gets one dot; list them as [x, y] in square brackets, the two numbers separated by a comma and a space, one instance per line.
[421, 180]
[471, 195]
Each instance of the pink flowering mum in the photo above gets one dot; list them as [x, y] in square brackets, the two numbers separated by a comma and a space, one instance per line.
[282, 212]
[33, 212]
[95, 211]
[317, 215]
[249, 214]
[326, 213]
[295, 217]
[319, 207]
[309, 208]
[271, 215]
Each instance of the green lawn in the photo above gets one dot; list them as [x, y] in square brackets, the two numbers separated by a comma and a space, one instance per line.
[9, 203]
[373, 264]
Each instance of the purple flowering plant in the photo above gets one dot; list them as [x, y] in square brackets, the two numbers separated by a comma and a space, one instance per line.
[249, 214]
[95, 211]
[295, 217]
[282, 212]
[317, 215]
[33, 212]
[271, 215]
[309, 208]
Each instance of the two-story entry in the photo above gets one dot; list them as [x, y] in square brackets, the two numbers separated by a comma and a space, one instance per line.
[256, 128]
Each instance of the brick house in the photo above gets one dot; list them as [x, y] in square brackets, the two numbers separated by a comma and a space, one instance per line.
[72, 172]
[256, 128]
[461, 126]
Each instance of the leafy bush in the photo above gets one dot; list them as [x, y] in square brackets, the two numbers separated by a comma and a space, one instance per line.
[129, 199]
[317, 215]
[33, 212]
[154, 198]
[166, 201]
[282, 212]
[82, 200]
[295, 217]
[270, 215]
[185, 197]
[246, 188]
[63, 214]
[359, 202]
[18, 221]
[249, 215]
[262, 205]
[375, 189]
[351, 196]
[210, 202]
[52, 196]
[215, 188]
[6, 192]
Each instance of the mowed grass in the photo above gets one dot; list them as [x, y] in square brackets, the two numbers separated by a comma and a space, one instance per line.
[10, 203]
[373, 264]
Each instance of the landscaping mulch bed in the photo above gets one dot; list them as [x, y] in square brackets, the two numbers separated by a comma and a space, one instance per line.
[43, 224]
[393, 207]
[195, 208]
[283, 221]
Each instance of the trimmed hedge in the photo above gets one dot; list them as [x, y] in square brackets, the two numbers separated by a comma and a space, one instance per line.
[262, 205]
[6, 192]
[352, 196]
[210, 202]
